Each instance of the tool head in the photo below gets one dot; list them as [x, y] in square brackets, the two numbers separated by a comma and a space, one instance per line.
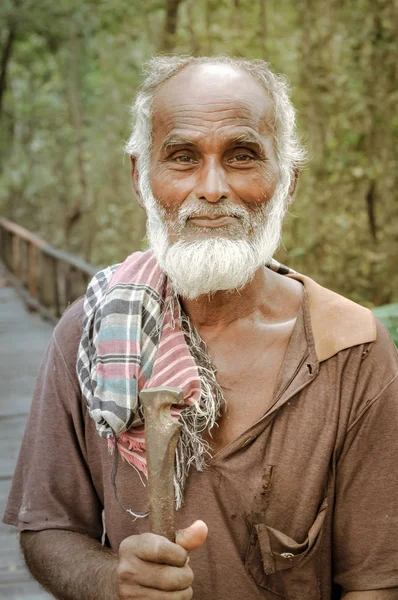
[160, 399]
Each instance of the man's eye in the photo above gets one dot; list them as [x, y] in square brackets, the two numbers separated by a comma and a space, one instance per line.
[242, 157]
[183, 158]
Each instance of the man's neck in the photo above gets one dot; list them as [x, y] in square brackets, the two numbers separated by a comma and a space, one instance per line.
[268, 296]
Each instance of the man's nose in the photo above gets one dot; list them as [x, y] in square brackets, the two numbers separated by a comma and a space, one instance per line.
[212, 186]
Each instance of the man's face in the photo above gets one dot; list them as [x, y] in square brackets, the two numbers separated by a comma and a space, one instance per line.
[214, 206]
[213, 161]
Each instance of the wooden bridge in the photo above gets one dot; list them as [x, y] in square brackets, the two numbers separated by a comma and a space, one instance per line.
[36, 281]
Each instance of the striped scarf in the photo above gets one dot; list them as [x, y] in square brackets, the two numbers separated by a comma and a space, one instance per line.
[135, 337]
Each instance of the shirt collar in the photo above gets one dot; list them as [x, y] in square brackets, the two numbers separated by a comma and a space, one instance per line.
[337, 323]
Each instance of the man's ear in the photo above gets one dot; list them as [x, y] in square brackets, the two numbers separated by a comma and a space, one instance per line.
[293, 183]
[134, 179]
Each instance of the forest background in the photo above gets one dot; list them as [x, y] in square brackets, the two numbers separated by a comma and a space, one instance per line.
[69, 71]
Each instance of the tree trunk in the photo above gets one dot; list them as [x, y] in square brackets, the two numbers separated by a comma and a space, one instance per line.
[5, 60]
[195, 46]
[263, 29]
[170, 25]
[370, 206]
[76, 115]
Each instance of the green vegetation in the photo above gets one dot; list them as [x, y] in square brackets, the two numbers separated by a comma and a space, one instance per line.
[388, 315]
[69, 71]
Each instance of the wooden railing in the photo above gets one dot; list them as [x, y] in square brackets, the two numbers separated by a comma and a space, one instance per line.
[47, 278]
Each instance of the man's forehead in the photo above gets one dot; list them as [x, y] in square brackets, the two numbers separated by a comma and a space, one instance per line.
[218, 93]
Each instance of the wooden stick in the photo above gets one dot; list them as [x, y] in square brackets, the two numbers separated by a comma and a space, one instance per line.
[161, 437]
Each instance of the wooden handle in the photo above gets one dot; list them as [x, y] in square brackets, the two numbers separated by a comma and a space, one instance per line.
[161, 437]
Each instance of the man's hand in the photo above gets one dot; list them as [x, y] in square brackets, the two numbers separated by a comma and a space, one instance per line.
[387, 594]
[153, 568]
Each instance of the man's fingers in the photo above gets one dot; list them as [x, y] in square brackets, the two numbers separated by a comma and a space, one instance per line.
[158, 577]
[142, 593]
[192, 537]
[150, 566]
[153, 548]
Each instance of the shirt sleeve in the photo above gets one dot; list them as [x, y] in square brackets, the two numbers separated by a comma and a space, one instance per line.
[365, 553]
[52, 486]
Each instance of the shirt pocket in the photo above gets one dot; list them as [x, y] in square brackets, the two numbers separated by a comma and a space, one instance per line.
[283, 566]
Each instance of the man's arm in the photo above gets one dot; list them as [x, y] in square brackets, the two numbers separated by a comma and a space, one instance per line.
[365, 524]
[69, 565]
[390, 594]
[73, 566]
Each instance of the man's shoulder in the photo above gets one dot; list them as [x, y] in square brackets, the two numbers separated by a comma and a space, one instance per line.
[340, 324]
[71, 321]
[359, 347]
[68, 332]
[381, 357]
[337, 322]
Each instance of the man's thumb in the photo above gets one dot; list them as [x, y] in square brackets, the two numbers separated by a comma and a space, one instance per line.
[192, 537]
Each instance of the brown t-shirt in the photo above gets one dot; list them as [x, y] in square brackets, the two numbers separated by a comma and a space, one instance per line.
[303, 502]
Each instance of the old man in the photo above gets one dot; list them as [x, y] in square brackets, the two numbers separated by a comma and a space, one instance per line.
[285, 473]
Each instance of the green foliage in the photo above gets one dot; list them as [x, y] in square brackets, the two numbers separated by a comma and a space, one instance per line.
[388, 315]
[73, 73]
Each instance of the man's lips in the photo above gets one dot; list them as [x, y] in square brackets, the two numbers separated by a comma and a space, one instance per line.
[212, 221]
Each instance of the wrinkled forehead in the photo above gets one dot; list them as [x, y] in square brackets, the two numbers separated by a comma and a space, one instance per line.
[219, 93]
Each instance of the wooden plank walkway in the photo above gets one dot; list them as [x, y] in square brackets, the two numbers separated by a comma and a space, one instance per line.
[23, 338]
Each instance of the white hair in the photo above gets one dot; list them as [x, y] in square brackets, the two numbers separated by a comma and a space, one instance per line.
[289, 151]
[219, 262]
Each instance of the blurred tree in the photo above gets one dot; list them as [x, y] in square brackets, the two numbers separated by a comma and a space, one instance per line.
[170, 25]
[351, 128]
[69, 72]
[10, 35]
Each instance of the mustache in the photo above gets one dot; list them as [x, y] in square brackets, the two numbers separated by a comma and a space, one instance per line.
[226, 209]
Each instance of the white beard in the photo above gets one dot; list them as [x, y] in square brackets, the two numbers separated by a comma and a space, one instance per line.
[209, 265]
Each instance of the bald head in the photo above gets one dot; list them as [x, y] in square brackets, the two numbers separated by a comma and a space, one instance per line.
[208, 82]
[213, 85]
[202, 91]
